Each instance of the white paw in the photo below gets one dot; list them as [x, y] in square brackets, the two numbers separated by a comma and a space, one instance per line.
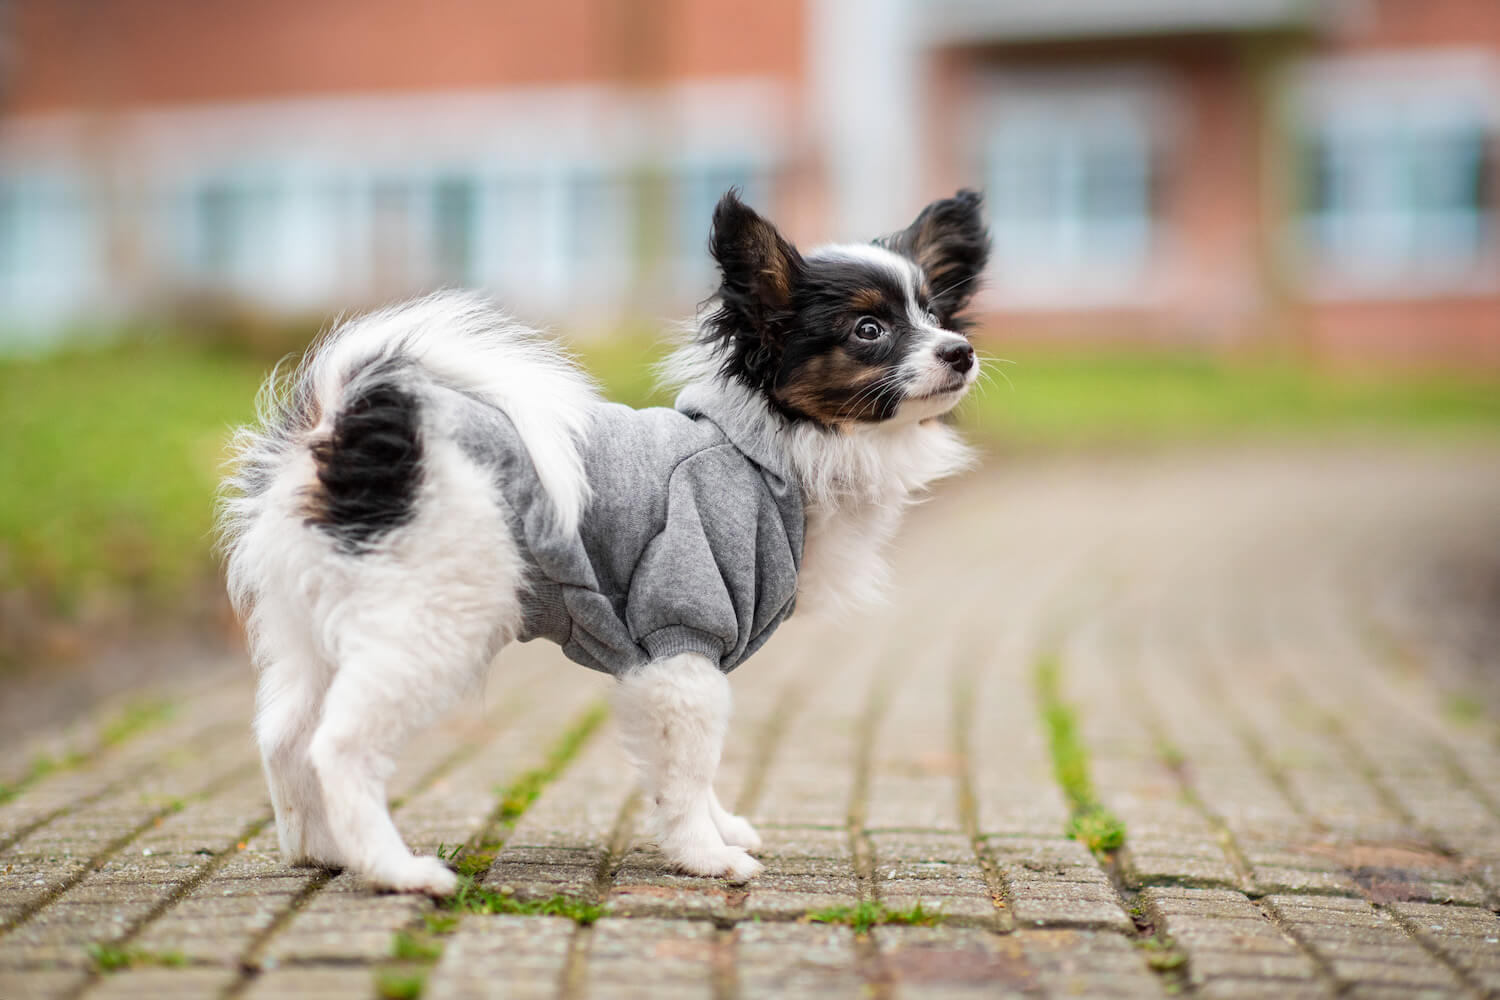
[737, 832]
[716, 862]
[416, 874]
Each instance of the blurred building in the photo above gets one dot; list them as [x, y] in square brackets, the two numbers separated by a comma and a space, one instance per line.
[1214, 171]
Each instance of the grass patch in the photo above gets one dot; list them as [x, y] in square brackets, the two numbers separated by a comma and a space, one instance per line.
[136, 718]
[1463, 709]
[1162, 954]
[38, 768]
[409, 947]
[133, 720]
[472, 861]
[111, 456]
[473, 898]
[866, 914]
[112, 958]
[517, 797]
[1091, 822]
[1153, 397]
[391, 985]
[440, 923]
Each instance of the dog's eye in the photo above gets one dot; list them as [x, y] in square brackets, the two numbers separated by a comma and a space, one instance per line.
[868, 329]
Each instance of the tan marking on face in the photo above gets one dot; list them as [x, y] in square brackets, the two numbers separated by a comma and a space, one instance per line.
[834, 389]
[867, 300]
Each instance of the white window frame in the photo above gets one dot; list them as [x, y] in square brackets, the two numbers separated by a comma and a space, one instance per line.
[1382, 248]
[57, 232]
[1065, 259]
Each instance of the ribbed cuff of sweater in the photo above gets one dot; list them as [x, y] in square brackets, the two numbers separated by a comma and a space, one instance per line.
[675, 639]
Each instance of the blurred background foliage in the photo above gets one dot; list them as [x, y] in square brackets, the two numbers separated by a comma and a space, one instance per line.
[1214, 223]
[113, 453]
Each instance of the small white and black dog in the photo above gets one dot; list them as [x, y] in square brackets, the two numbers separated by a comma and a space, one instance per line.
[435, 481]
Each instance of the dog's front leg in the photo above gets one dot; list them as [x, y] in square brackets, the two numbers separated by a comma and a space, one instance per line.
[673, 715]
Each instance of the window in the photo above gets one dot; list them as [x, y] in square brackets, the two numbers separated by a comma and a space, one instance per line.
[51, 260]
[697, 190]
[599, 244]
[1399, 194]
[1069, 171]
[234, 220]
[1397, 163]
[455, 217]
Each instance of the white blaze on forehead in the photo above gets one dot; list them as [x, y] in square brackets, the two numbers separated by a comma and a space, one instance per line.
[899, 268]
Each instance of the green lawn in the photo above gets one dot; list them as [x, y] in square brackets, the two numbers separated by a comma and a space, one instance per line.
[109, 458]
[1051, 401]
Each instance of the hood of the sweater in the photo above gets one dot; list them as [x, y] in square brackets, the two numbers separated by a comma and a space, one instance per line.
[743, 418]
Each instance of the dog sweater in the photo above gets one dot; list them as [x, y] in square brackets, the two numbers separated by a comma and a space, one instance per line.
[690, 543]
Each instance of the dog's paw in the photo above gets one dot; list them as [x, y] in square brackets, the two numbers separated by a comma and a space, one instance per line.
[718, 862]
[416, 874]
[737, 832]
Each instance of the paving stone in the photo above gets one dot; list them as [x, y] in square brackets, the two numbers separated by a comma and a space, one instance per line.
[344, 927]
[1225, 688]
[166, 984]
[312, 982]
[40, 984]
[953, 963]
[1263, 988]
[522, 956]
[649, 958]
[1087, 964]
[1467, 938]
[802, 960]
[1360, 952]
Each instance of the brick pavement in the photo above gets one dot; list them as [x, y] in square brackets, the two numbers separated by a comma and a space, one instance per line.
[1271, 676]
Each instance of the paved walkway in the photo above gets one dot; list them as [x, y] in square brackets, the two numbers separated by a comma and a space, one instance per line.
[1274, 671]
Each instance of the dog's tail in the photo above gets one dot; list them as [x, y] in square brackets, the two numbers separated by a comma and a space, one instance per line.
[339, 440]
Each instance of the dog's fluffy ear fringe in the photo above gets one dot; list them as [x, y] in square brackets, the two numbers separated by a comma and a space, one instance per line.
[951, 245]
[758, 271]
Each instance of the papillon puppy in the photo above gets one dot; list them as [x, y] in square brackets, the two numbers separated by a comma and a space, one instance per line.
[435, 481]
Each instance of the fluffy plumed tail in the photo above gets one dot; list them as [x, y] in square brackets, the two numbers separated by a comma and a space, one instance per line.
[351, 406]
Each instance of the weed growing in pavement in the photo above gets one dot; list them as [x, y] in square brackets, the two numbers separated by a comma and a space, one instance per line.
[518, 796]
[112, 958]
[409, 947]
[440, 923]
[1092, 823]
[400, 985]
[867, 914]
[472, 898]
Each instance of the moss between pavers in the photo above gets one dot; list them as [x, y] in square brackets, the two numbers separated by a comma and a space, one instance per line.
[397, 985]
[518, 796]
[866, 914]
[105, 957]
[473, 898]
[134, 719]
[1091, 823]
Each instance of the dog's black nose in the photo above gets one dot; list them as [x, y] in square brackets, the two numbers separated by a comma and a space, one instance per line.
[959, 356]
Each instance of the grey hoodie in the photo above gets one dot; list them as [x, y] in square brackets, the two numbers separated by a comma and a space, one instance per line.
[690, 543]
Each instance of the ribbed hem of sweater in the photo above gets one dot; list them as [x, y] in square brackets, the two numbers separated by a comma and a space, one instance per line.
[543, 613]
[675, 639]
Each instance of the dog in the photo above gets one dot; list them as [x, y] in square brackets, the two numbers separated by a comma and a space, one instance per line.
[436, 480]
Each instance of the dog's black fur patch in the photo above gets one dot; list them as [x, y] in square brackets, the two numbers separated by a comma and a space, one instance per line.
[755, 317]
[951, 245]
[370, 468]
[784, 323]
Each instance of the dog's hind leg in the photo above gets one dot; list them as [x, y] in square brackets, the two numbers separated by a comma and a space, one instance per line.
[378, 698]
[289, 704]
[673, 716]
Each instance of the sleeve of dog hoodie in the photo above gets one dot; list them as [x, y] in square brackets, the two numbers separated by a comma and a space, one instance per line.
[721, 573]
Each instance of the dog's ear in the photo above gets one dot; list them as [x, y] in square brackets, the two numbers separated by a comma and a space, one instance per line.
[758, 271]
[951, 245]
